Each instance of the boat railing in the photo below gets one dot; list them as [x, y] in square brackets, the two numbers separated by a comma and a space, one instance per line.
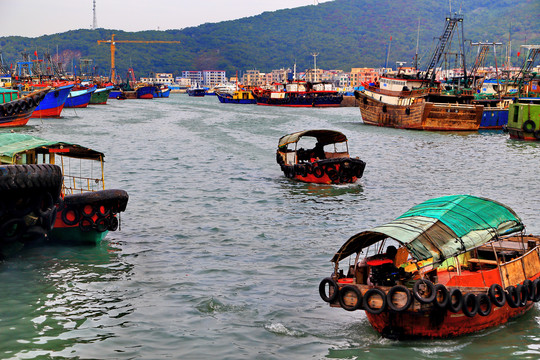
[79, 184]
[411, 93]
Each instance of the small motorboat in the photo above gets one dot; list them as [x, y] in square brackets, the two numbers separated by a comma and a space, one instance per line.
[324, 160]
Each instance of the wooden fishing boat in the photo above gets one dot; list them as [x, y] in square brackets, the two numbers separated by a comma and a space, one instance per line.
[53, 102]
[28, 198]
[447, 267]
[299, 94]
[15, 110]
[100, 96]
[524, 121]
[79, 98]
[325, 160]
[237, 97]
[88, 211]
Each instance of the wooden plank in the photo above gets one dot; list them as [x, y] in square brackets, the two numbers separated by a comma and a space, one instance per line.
[483, 261]
[512, 272]
[531, 263]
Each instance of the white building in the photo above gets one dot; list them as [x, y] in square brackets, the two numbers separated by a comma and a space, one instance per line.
[213, 78]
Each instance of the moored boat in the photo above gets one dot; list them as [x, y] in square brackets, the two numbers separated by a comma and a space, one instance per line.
[88, 211]
[237, 97]
[447, 267]
[100, 96]
[145, 91]
[79, 98]
[326, 159]
[299, 94]
[15, 110]
[196, 91]
[162, 91]
[53, 102]
[524, 121]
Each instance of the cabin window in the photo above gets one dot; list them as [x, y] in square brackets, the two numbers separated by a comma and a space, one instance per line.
[516, 113]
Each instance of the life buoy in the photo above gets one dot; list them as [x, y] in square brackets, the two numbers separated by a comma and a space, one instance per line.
[528, 284]
[113, 223]
[441, 290]
[70, 216]
[419, 293]
[343, 293]
[318, 171]
[367, 297]
[529, 126]
[455, 302]
[390, 296]
[331, 294]
[536, 287]
[470, 305]
[523, 294]
[86, 224]
[512, 296]
[497, 295]
[483, 300]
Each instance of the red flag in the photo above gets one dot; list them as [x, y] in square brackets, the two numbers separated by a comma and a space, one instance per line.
[519, 53]
[390, 38]
[35, 53]
[11, 66]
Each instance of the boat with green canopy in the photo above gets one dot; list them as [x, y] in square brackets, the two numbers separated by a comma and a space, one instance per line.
[88, 210]
[447, 267]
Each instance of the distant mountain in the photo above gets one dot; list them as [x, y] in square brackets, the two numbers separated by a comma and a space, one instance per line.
[345, 34]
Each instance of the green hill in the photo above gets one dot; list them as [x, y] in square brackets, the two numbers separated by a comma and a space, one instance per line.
[345, 33]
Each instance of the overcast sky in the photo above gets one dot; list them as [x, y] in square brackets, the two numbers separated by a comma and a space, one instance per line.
[32, 18]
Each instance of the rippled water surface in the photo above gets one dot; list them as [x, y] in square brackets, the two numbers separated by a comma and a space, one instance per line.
[220, 256]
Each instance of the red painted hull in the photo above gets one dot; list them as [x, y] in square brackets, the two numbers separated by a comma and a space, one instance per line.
[55, 112]
[446, 324]
[146, 96]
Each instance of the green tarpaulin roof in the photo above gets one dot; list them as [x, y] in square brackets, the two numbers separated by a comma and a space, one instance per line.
[12, 144]
[322, 136]
[441, 228]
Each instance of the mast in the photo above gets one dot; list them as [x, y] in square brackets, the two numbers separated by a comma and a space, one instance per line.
[417, 41]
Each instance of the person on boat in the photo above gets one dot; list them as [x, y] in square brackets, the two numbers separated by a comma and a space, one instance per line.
[318, 151]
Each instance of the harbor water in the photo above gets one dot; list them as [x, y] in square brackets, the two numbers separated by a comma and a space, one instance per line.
[219, 256]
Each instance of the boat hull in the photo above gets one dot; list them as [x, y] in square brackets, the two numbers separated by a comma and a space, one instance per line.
[494, 119]
[17, 112]
[419, 114]
[524, 122]
[78, 101]
[53, 103]
[145, 92]
[196, 92]
[99, 97]
[229, 99]
[86, 218]
[300, 99]
[327, 171]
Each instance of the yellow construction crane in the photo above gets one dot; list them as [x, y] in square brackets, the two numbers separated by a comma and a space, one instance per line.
[113, 49]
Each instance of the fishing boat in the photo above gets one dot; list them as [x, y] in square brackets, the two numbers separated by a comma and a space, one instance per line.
[53, 102]
[162, 91]
[239, 96]
[15, 110]
[325, 160]
[196, 91]
[299, 94]
[145, 91]
[524, 120]
[450, 266]
[100, 96]
[28, 198]
[88, 211]
[79, 98]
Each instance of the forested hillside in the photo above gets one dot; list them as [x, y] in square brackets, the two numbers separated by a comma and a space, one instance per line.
[345, 33]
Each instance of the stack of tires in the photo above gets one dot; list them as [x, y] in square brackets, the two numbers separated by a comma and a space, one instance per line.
[425, 292]
[28, 198]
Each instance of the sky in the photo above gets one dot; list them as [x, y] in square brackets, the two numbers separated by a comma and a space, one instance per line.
[33, 18]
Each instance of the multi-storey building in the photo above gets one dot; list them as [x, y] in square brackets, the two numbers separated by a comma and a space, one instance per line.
[160, 78]
[362, 75]
[213, 78]
[251, 78]
[195, 77]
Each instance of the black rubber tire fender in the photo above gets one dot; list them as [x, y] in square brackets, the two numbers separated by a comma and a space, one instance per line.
[470, 299]
[530, 289]
[368, 295]
[318, 171]
[45, 204]
[529, 126]
[12, 230]
[86, 224]
[102, 224]
[322, 289]
[523, 294]
[76, 215]
[537, 134]
[484, 299]
[512, 296]
[455, 302]
[536, 287]
[497, 295]
[441, 289]
[419, 296]
[343, 292]
[113, 223]
[8, 109]
[390, 295]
